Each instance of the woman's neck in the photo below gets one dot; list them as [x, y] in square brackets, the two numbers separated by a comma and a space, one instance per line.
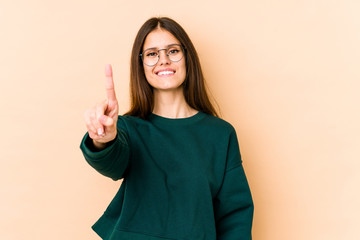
[172, 104]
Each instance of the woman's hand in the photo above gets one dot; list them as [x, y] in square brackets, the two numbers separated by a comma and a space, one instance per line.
[101, 119]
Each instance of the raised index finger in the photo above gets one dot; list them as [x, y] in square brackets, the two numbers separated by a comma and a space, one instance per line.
[109, 84]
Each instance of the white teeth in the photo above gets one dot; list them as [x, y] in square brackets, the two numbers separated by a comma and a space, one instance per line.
[165, 72]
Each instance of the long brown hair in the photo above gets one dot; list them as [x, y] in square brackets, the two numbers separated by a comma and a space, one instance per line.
[141, 93]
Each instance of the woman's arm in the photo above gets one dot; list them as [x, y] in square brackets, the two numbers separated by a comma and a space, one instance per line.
[113, 160]
[105, 146]
[233, 204]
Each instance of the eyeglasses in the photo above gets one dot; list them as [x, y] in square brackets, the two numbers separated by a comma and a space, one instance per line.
[151, 56]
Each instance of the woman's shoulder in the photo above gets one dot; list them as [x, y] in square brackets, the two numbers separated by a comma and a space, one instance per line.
[130, 120]
[127, 122]
[217, 123]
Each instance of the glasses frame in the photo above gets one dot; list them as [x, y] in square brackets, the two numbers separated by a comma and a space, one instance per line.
[167, 55]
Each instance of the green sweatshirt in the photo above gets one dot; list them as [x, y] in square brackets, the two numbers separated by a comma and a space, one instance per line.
[182, 179]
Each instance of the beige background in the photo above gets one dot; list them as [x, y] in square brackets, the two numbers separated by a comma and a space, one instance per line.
[284, 72]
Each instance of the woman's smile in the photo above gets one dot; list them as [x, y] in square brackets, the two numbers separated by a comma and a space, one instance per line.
[165, 72]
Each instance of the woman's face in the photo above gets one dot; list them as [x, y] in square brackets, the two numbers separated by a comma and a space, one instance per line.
[164, 75]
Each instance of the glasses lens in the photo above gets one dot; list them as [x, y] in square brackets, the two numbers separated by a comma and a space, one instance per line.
[150, 57]
[175, 53]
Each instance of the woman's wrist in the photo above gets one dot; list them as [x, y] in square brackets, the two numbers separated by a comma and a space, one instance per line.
[99, 145]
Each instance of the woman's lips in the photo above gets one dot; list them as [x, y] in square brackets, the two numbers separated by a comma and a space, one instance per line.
[165, 72]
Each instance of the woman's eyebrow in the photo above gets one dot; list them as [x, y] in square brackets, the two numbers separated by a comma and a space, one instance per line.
[153, 48]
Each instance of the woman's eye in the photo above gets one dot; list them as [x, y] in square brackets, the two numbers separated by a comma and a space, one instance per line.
[173, 51]
[151, 54]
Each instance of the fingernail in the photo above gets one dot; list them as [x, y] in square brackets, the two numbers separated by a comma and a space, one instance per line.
[100, 131]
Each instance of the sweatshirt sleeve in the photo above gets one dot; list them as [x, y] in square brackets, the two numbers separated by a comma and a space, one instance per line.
[113, 160]
[233, 204]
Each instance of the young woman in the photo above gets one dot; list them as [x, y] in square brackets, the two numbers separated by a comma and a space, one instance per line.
[180, 164]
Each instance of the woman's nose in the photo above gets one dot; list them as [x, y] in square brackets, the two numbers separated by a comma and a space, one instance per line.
[163, 57]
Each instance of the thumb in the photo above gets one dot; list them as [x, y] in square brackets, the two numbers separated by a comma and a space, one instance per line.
[106, 121]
